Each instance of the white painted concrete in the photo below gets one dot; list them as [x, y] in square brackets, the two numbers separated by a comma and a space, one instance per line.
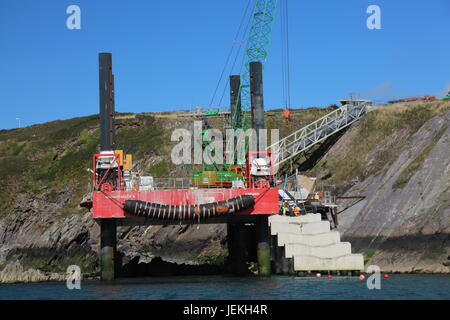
[312, 245]
[324, 251]
[318, 239]
[312, 263]
[307, 228]
[312, 217]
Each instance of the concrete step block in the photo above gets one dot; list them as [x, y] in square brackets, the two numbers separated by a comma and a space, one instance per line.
[318, 239]
[314, 227]
[311, 217]
[322, 251]
[312, 263]
[307, 228]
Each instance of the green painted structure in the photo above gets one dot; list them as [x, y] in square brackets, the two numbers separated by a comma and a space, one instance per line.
[211, 112]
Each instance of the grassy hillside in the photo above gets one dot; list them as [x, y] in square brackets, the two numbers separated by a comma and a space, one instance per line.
[375, 142]
[51, 155]
[45, 157]
[299, 118]
[44, 177]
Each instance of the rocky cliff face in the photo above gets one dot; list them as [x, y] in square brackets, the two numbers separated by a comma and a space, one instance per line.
[42, 228]
[398, 157]
[403, 224]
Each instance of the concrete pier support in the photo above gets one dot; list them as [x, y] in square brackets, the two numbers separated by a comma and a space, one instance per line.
[263, 246]
[108, 241]
[280, 264]
[237, 248]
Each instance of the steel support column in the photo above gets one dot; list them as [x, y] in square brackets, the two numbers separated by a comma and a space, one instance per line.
[257, 100]
[237, 248]
[107, 130]
[263, 247]
[106, 91]
[235, 103]
[235, 111]
[108, 241]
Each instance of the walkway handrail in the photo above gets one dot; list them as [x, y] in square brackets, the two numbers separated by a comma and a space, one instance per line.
[317, 131]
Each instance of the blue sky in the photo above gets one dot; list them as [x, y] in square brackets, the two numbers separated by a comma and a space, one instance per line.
[169, 54]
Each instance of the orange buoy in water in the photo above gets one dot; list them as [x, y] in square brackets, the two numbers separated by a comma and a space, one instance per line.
[330, 276]
[361, 277]
[386, 276]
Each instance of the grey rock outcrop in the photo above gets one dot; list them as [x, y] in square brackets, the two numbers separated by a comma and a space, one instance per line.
[403, 224]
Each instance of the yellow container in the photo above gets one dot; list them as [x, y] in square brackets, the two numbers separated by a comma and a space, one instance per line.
[208, 178]
[120, 153]
[128, 163]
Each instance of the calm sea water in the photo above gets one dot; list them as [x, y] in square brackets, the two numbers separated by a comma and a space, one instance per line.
[229, 287]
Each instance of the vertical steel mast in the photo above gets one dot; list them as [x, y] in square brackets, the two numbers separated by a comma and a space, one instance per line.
[257, 47]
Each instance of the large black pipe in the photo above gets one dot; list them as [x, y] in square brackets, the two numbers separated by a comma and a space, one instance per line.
[257, 100]
[159, 211]
[235, 103]
[235, 109]
[112, 115]
[108, 237]
[106, 90]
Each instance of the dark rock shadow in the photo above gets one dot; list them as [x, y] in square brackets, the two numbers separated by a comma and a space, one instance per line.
[158, 267]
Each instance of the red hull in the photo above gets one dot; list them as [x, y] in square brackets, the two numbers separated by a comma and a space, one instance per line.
[109, 205]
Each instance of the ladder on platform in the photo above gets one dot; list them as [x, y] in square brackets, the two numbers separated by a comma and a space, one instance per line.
[317, 131]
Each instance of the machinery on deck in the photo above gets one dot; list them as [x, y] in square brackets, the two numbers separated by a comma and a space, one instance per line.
[117, 194]
[112, 171]
[258, 41]
[114, 183]
[260, 171]
[211, 112]
[447, 97]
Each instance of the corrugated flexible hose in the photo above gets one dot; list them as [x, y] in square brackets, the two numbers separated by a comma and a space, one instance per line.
[188, 212]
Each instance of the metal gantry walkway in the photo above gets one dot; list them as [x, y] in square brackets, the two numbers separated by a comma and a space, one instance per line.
[317, 131]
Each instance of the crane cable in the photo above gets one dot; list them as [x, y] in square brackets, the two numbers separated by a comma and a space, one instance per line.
[247, 28]
[230, 53]
[283, 62]
[285, 55]
[287, 58]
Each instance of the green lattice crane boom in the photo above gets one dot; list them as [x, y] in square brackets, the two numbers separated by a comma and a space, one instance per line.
[257, 47]
[258, 42]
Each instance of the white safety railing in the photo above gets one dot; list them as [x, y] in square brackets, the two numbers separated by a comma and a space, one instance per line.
[317, 131]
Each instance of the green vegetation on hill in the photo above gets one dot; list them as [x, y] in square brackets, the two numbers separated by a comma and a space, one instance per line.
[376, 141]
[50, 156]
[274, 119]
[141, 136]
[46, 157]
